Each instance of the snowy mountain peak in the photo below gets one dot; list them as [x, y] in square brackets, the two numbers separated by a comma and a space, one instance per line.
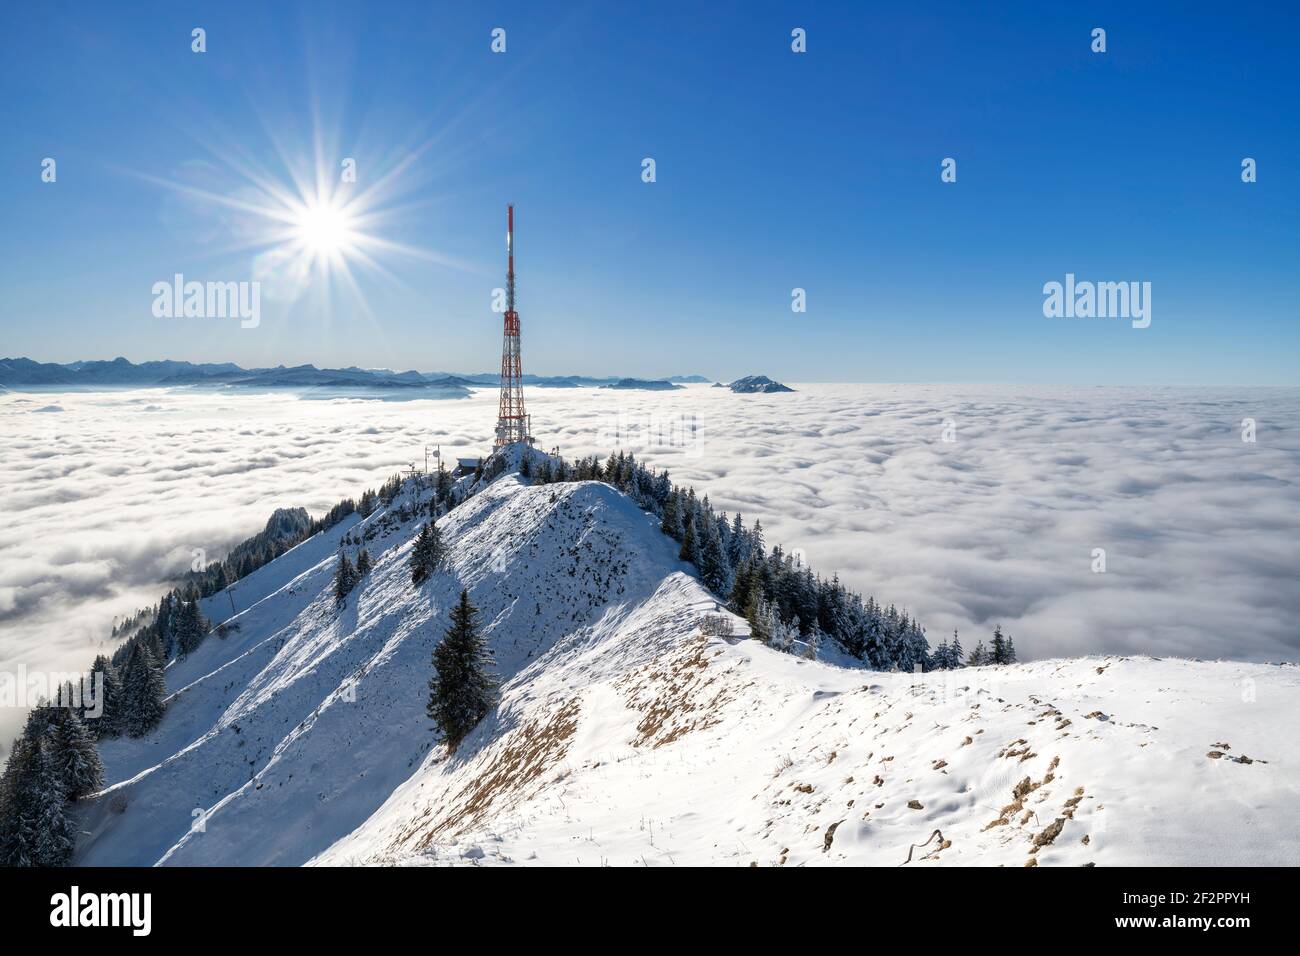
[625, 735]
[312, 712]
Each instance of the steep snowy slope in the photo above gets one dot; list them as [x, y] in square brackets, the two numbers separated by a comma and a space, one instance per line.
[624, 736]
[728, 753]
[287, 734]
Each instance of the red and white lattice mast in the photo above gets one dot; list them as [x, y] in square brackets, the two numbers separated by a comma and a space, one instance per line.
[512, 420]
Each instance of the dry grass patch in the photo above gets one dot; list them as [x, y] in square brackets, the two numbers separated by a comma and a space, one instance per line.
[522, 757]
[675, 695]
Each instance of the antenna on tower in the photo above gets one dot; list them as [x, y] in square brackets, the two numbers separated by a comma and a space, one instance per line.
[512, 421]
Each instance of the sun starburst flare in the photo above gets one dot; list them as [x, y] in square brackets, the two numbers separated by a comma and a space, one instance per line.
[310, 229]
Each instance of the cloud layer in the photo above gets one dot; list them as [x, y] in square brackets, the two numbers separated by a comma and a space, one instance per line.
[1201, 531]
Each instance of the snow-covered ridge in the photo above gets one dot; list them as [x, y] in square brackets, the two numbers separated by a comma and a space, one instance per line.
[625, 736]
[722, 753]
[284, 735]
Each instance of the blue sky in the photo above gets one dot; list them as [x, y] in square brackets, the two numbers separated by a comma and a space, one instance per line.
[775, 170]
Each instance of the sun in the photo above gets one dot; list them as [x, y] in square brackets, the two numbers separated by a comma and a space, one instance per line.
[312, 231]
[325, 228]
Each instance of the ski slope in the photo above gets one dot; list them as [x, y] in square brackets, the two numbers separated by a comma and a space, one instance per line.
[625, 737]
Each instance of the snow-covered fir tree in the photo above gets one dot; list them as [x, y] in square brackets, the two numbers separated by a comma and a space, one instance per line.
[345, 578]
[689, 551]
[102, 707]
[144, 691]
[55, 832]
[939, 657]
[670, 522]
[998, 648]
[77, 759]
[162, 631]
[714, 571]
[426, 555]
[738, 543]
[814, 643]
[17, 803]
[52, 762]
[763, 621]
[442, 483]
[462, 690]
[190, 626]
[782, 634]
[948, 655]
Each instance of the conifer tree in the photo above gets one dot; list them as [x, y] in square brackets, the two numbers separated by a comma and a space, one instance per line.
[364, 566]
[162, 630]
[940, 658]
[34, 825]
[345, 578]
[737, 542]
[814, 643]
[713, 561]
[442, 482]
[366, 506]
[671, 524]
[17, 822]
[763, 622]
[979, 656]
[914, 649]
[155, 647]
[143, 691]
[190, 627]
[853, 632]
[774, 627]
[102, 699]
[785, 633]
[74, 754]
[427, 553]
[462, 690]
[998, 652]
[738, 603]
[48, 759]
[955, 651]
[688, 550]
[48, 807]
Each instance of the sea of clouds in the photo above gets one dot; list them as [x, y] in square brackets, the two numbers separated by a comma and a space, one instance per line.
[107, 495]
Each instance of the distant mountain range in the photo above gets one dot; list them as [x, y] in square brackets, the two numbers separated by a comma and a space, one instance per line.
[19, 373]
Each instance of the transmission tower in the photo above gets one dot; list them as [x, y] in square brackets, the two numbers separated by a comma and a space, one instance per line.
[512, 420]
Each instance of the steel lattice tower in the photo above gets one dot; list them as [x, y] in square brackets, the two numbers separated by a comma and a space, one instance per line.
[512, 420]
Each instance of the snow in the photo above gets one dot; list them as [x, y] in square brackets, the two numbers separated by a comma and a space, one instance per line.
[624, 736]
[763, 754]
